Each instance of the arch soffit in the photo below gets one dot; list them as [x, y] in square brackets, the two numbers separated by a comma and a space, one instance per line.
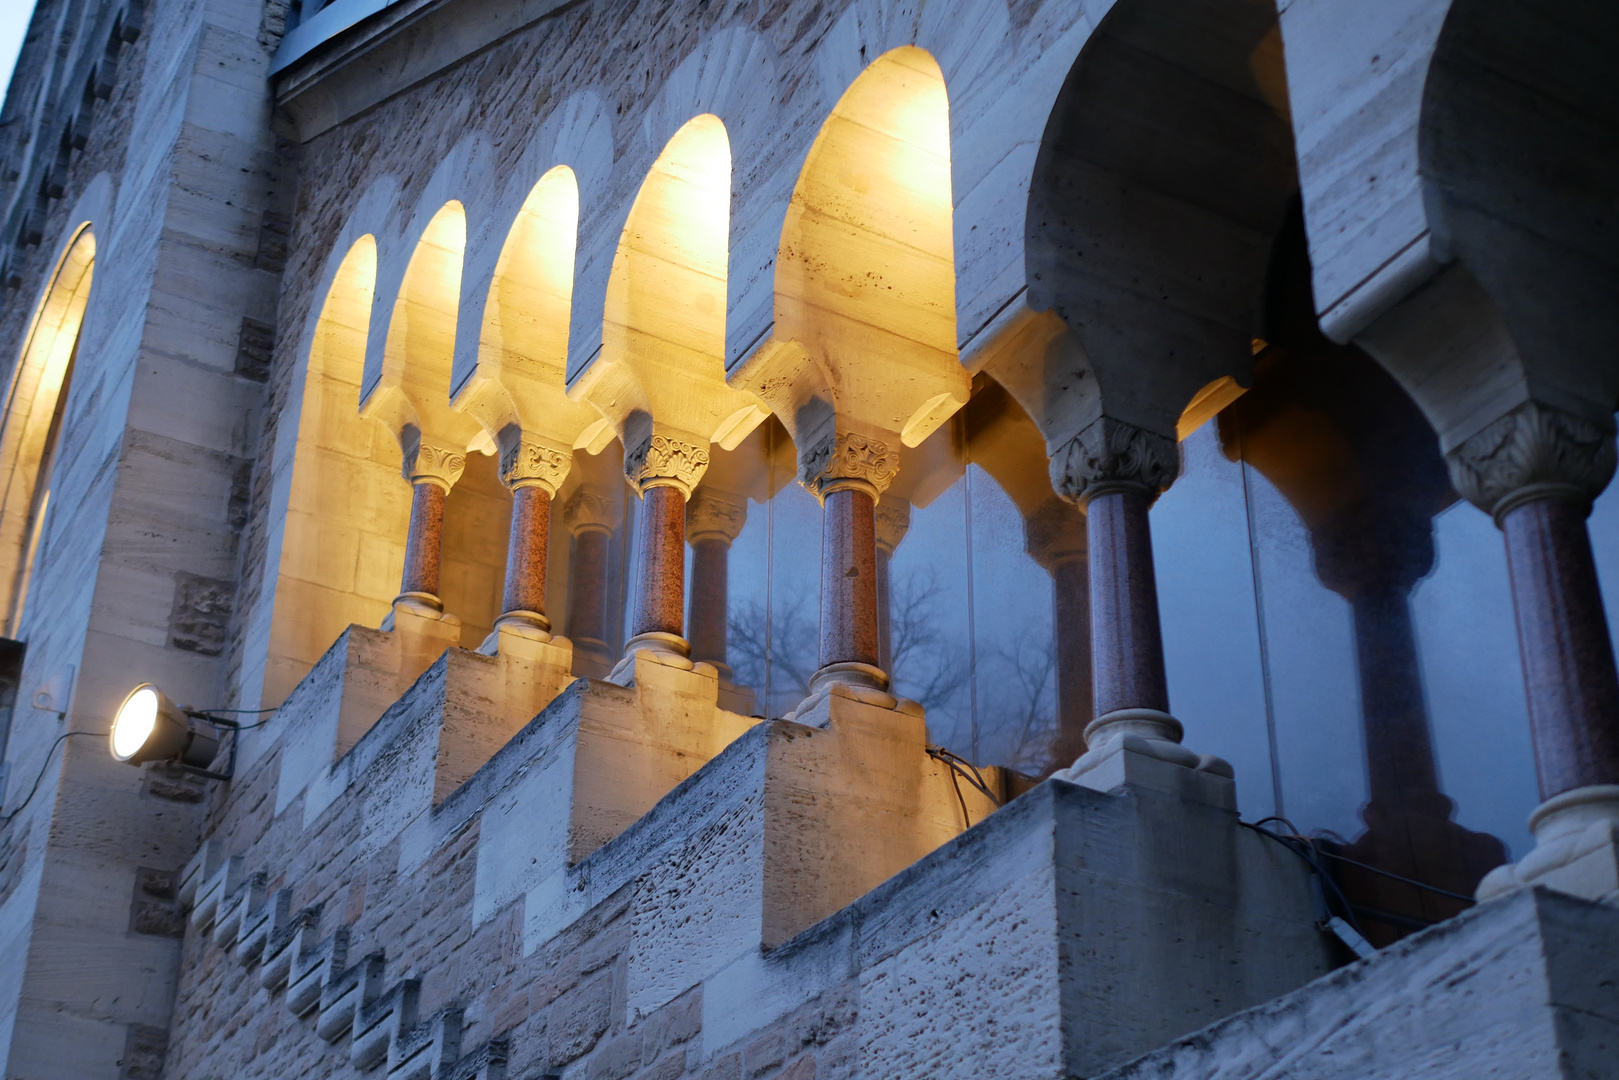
[577, 134]
[731, 75]
[998, 116]
[460, 176]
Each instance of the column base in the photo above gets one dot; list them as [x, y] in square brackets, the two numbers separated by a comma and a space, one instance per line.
[855, 681]
[1576, 848]
[670, 650]
[529, 625]
[1145, 732]
[420, 604]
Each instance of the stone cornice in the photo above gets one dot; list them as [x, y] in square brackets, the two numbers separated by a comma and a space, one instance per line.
[1111, 455]
[1533, 452]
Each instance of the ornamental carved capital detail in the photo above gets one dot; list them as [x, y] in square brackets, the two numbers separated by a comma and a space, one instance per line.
[1111, 455]
[893, 522]
[589, 510]
[1533, 452]
[1055, 534]
[714, 517]
[527, 463]
[663, 461]
[434, 465]
[847, 460]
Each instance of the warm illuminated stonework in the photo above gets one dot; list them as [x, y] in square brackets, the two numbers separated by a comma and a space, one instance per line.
[788, 541]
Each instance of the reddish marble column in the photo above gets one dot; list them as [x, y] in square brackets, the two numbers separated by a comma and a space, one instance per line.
[425, 542]
[432, 472]
[660, 595]
[590, 517]
[523, 599]
[1126, 642]
[893, 522]
[1567, 650]
[587, 589]
[849, 579]
[1536, 471]
[713, 522]
[1054, 536]
[1114, 471]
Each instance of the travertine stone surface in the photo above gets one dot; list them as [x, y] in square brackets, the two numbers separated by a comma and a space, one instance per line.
[1521, 986]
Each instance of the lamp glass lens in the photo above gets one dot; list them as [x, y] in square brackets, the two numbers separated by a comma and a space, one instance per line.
[134, 722]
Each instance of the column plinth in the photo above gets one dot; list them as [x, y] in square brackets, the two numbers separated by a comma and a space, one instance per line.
[1536, 471]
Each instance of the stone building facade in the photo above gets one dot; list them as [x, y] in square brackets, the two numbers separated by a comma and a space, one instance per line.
[749, 539]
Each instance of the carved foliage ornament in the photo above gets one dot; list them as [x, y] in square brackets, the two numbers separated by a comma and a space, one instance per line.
[589, 510]
[1532, 452]
[1110, 455]
[665, 462]
[845, 459]
[433, 464]
[709, 516]
[530, 464]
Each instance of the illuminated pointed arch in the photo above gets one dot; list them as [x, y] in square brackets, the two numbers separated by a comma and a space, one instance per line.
[34, 409]
[342, 543]
[865, 271]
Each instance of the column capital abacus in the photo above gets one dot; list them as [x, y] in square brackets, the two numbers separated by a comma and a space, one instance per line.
[589, 510]
[1533, 452]
[665, 461]
[1112, 455]
[846, 460]
[430, 464]
[530, 462]
[712, 516]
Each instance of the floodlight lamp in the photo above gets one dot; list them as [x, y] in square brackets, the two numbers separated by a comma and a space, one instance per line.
[150, 727]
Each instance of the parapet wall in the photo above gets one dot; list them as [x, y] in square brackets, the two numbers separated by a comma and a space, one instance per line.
[640, 883]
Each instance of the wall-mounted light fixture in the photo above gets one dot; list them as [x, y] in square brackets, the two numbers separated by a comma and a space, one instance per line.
[150, 727]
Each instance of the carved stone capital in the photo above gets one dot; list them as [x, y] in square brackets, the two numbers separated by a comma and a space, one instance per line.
[663, 461]
[1111, 455]
[711, 516]
[893, 522]
[589, 510]
[434, 465]
[1055, 534]
[532, 463]
[846, 460]
[1533, 452]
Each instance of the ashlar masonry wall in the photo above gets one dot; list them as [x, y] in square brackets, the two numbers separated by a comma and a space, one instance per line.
[641, 884]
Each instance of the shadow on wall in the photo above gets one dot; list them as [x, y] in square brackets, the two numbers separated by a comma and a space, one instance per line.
[1353, 456]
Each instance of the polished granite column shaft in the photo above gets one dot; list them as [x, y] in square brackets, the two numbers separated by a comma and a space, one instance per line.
[660, 594]
[849, 579]
[1127, 644]
[527, 545]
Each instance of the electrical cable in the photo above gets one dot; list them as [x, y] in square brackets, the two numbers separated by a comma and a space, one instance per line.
[1319, 850]
[967, 770]
[1301, 848]
[60, 739]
